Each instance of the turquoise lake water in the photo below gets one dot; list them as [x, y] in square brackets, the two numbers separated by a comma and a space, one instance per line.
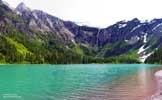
[77, 82]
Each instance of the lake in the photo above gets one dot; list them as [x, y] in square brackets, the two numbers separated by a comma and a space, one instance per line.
[77, 82]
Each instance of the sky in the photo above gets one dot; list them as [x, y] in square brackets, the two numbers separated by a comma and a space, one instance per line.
[98, 13]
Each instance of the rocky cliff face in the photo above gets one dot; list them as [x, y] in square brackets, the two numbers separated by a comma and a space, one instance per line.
[143, 37]
[122, 38]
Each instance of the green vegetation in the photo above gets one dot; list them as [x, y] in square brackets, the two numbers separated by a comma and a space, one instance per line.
[22, 43]
[156, 57]
[14, 17]
[18, 48]
[2, 58]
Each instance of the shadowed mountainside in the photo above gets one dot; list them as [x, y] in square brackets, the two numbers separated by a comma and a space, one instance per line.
[33, 36]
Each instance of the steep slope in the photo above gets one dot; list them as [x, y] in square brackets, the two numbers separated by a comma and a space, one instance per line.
[21, 44]
[156, 57]
[141, 38]
[47, 39]
[43, 24]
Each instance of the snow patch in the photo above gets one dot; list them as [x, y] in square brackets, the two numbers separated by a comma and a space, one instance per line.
[32, 23]
[50, 22]
[133, 40]
[144, 57]
[73, 41]
[142, 53]
[19, 13]
[135, 28]
[122, 25]
[152, 21]
[35, 15]
[67, 47]
[145, 38]
[142, 49]
[157, 26]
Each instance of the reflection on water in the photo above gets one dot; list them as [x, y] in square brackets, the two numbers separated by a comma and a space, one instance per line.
[77, 82]
[133, 86]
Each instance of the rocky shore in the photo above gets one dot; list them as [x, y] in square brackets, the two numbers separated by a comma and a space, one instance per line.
[158, 94]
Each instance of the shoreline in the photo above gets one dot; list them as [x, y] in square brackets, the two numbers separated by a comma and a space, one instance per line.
[158, 93]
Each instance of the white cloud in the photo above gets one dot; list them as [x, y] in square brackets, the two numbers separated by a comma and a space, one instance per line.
[97, 12]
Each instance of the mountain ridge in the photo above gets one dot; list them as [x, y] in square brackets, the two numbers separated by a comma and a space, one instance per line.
[124, 42]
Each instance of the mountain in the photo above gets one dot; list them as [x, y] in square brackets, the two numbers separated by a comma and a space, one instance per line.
[132, 38]
[33, 36]
[156, 57]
